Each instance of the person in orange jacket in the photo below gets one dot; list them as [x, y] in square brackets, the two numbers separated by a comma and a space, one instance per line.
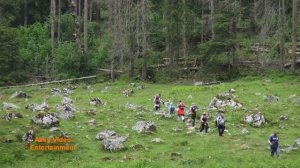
[180, 111]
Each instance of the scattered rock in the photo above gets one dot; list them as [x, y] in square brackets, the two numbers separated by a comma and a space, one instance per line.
[96, 102]
[92, 122]
[46, 120]
[66, 107]
[176, 129]
[222, 101]
[52, 129]
[66, 100]
[271, 98]
[71, 87]
[137, 146]
[288, 149]
[19, 94]
[29, 137]
[255, 119]
[92, 112]
[258, 94]
[38, 107]
[66, 91]
[176, 155]
[55, 91]
[294, 99]
[267, 80]
[297, 142]
[157, 140]
[114, 143]
[231, 91]
[144, 127]
[9, 106]
[105, 134]
[245, 131]
[141, 87]
[10, 116]
[283, 117]
[66, 115]
[127, 92]
[107, 158]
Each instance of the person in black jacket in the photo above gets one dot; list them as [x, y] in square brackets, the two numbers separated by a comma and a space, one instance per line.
[274, 144]
[204, 122]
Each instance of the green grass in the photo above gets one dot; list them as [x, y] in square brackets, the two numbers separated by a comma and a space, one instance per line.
[211, 151]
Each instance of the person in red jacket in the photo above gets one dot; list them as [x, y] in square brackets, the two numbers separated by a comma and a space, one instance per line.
[180, 111]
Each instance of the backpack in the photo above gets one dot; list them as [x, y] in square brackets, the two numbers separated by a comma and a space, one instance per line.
[157, 99]
[172, 108]
[221, 120]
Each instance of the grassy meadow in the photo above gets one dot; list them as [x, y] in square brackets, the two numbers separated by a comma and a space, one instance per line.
[233, 150]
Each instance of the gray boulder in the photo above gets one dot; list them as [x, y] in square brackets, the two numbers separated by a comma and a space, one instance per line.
[271, 98]
[96, 102]
[46, 120]
[245, 131]
[38, 107]
[144, 127]
[66, 100]
[92, 122]
[283, 117]
[114, 143]
[157, 140]
[105, 134]
[29, 137]
[297, 142]
[10, 116]
[9, 106]
[255, 119]
[55, 91]
[19, 94]
[66, 115]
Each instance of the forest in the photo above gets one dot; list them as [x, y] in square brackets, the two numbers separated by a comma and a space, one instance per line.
[151, 40]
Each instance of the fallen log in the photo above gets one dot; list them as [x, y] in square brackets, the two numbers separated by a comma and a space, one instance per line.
[51, 82]
[109, 70]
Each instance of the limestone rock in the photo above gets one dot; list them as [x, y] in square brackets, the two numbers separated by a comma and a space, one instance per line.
[114, 143]
[105, 134]
[29, 137]
[46, 120]
[19, 94]
[144, 127]
[9, 106]
[157, 140]
[10, 116]
[92, 122]
[283, 117]
[271, 98]
[245, 131]
[255, 119]
[96, 102]
[67, 100]
[38, 107]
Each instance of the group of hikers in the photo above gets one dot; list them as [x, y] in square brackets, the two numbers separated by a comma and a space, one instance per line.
[192, 114]
[220, 120]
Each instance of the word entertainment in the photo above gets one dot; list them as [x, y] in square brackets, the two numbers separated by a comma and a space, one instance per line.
[54, 147]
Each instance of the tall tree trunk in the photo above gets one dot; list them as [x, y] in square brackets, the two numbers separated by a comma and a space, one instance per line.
[282, 35]
[212, 10]
[132, 45]
[184, 45]
[85, 26]
[294, 34]
[202, 21]
[25, 13]
[79, 7]
[91, 10]
[145, 42]
[52, 16]
[59, 20]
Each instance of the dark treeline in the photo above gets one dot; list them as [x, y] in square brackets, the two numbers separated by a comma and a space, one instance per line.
[209, 39]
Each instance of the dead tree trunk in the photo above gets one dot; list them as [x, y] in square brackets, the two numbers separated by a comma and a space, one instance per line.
[212, 13]
[294, 34]
[52, 16]
[145, 41]
[59, 21]
[282, 35]
[25, 13]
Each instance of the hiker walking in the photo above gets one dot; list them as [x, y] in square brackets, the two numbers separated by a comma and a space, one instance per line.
[193, 111]
[220, 122]
[204, 122]
[274, 144]
[180, 112]
[171, 108]
[157, 101]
